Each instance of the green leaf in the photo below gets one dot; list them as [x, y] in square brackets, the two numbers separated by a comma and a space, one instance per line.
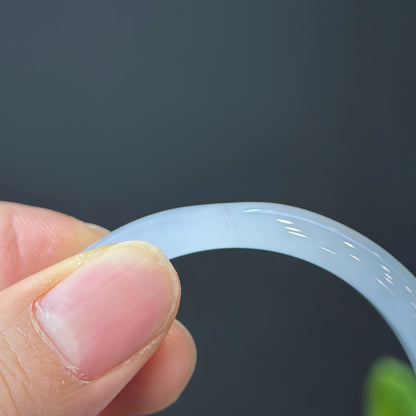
[390, 389]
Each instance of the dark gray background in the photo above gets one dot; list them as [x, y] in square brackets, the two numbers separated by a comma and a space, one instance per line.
[113, 110]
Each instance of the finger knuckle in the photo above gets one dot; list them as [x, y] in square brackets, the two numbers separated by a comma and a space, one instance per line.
[15, 392]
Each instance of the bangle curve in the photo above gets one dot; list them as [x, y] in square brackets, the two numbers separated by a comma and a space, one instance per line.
[371, 270]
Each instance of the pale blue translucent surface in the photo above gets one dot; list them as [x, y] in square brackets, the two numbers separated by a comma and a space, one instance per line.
[385, 282]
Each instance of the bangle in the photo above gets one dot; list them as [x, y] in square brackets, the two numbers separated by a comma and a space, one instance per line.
[371, 270]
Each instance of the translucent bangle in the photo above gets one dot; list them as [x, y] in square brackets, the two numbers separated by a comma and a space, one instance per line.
[385, 282]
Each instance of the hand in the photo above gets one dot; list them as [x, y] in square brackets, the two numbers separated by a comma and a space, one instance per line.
[94, 334]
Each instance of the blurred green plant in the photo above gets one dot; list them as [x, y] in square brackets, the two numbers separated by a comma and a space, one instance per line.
[390, 389]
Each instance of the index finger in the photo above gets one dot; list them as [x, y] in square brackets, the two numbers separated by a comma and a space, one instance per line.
[33, 238]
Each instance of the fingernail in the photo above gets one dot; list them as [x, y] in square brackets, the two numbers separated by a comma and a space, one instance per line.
[96, 227]
[109, 308]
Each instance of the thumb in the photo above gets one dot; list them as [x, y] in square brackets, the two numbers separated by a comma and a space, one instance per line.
[73, 335]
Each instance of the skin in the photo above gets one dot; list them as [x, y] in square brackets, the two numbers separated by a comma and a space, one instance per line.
[34, 379]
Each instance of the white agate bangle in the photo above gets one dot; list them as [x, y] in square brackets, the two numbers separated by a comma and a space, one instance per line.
[378, 276]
